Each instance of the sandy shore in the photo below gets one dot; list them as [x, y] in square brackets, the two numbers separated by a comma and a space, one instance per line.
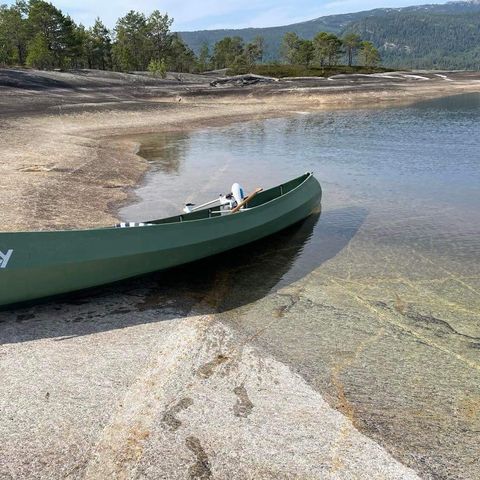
[149, 381]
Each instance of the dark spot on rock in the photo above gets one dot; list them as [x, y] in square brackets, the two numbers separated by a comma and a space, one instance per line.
[399, 304]
[283, 309]
[120, 310]
[25, 316]
[440, 327]
[437, 326]
[201, 468]
[208, 368]
[169, 417]
[243, 407]
[77, 301]
[47, 395]
[279, 312]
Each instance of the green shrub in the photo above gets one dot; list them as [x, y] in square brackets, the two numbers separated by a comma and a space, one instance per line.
[158, 68]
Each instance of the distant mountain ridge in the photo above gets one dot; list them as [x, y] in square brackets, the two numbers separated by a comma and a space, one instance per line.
[421, 36]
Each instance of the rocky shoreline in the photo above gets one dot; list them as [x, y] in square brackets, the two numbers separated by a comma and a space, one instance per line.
[152, 380]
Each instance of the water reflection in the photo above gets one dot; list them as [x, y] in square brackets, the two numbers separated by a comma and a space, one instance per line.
[164, 150]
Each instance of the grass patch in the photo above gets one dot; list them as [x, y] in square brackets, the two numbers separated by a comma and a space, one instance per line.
[281, 71]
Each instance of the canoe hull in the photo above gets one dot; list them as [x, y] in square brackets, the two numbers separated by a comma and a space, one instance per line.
[44, 264]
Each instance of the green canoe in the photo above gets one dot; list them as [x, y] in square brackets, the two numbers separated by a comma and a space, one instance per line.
[34, 265]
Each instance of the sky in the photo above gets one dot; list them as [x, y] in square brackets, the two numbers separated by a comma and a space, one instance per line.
[213, 14]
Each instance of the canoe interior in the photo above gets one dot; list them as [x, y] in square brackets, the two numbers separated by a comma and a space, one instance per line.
[260, 199]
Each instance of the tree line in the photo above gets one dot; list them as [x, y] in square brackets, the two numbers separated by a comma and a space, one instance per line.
[35, 33]
[326, 49]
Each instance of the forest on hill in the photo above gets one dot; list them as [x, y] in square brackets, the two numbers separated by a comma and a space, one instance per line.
[426, 36]
[423, 40]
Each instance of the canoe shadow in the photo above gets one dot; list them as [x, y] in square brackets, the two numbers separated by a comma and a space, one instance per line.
[246, 274]
[217, 284]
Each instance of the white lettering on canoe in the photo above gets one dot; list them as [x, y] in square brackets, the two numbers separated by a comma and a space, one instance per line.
[4, 258]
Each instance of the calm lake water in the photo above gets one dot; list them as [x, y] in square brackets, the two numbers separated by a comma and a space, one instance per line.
[420, 163]
[375, 301]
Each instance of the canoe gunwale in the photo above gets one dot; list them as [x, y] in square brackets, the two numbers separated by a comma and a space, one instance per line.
[307, 176]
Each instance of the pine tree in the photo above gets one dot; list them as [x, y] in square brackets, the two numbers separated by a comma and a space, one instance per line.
[369, 54]
[289, 47]
[132, 47]
[100, 46]
[158, 28]
[351, 41]
[204, 58]
[39, 54]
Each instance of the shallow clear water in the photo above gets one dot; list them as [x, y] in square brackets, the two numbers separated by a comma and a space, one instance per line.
[420, 162]
[375, 301]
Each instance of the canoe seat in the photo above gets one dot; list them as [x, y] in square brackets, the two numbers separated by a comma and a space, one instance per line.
[132, 224]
